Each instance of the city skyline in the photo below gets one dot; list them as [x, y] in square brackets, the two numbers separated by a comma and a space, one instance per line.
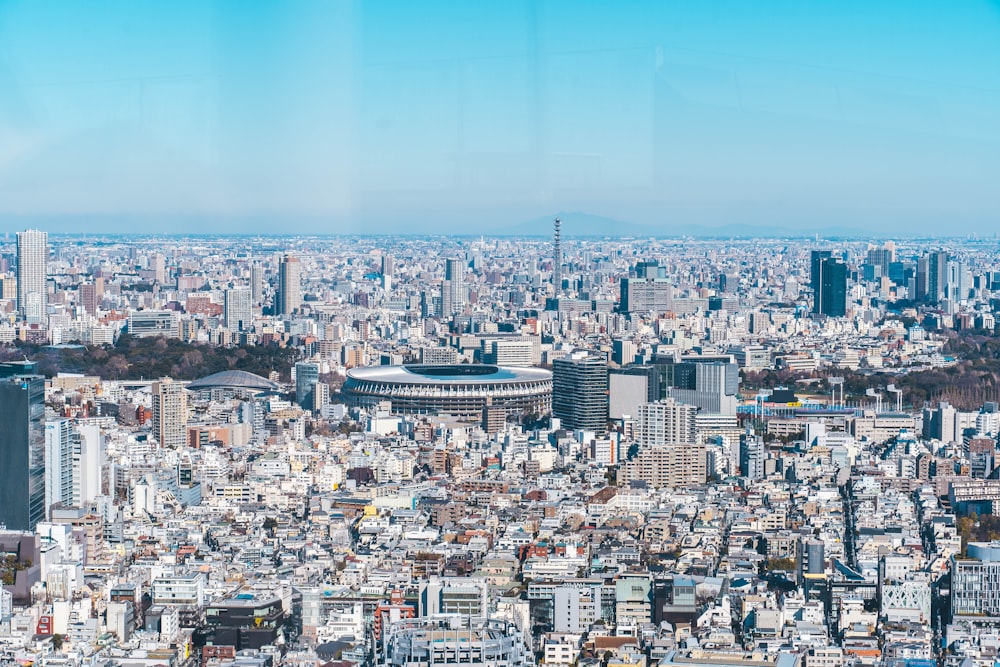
[341, 118]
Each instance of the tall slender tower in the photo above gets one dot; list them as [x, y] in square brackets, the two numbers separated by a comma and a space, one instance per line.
[557, 256]
[453, 288]
[32, 271]
[257, 283]
[289, 285]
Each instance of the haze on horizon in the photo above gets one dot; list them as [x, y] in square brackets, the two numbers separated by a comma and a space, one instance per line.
[392, 116]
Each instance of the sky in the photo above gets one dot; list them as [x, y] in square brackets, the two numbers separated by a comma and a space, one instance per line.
[350, 116]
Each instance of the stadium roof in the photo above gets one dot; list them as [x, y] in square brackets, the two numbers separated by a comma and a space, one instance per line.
[233, 380]
[439, 374]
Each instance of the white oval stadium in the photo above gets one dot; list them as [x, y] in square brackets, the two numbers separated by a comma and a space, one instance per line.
[462, 390]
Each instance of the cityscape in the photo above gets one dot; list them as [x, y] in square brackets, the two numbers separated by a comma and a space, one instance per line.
[502, 451]
[529, 333]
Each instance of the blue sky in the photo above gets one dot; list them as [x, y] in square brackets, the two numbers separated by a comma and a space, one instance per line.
[327, 116]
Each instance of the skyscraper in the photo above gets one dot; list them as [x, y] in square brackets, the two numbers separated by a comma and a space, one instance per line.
[32, 272]
[238, 308]
[306, 378]
[169, 413]
[932, 277]
[817, 257]
[257, 283]
[453, 289]
[580, 392]
[22, 451]
[289, 285]
[829, 284]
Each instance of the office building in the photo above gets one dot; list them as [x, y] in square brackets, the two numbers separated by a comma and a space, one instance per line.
[580, 392]
[829, 284]
[306, 379]
[169, 413]
[244, 622]
[508, 352]
[289, 285]
[22, 451]
[238, 308]
[32, 273]
[650, 291]
[710, 383]
[152, 323]
[932, 277]
[629, 387]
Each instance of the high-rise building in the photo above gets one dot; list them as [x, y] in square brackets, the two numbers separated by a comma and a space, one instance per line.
[932, 277]
[169, 413]
[959, 281]
[665, 422]
[580, 392]
[710, 383]
[816, 259]
[289, 285]
[306, 379]
[22, 451]
[453, 288]
[158, 265]
[257, 283]
[32, 273]
[829, 284]
[88, 298]
[89, 458]
[648, 291]
[238, 308]
[58, 464]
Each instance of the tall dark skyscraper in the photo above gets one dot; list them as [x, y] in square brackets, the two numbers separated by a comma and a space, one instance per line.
[815, 273]
[580, 392]
[829, 284]
[22, 450]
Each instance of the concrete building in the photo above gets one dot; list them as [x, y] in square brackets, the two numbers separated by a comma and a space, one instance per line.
[32, 273]
[580, 392]
[289, 298]
[170, 413]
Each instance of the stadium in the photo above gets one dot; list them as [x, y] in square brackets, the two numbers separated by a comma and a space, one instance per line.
[460, 390]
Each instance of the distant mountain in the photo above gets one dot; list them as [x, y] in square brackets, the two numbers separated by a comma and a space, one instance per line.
[769, 231]
[577, 223]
